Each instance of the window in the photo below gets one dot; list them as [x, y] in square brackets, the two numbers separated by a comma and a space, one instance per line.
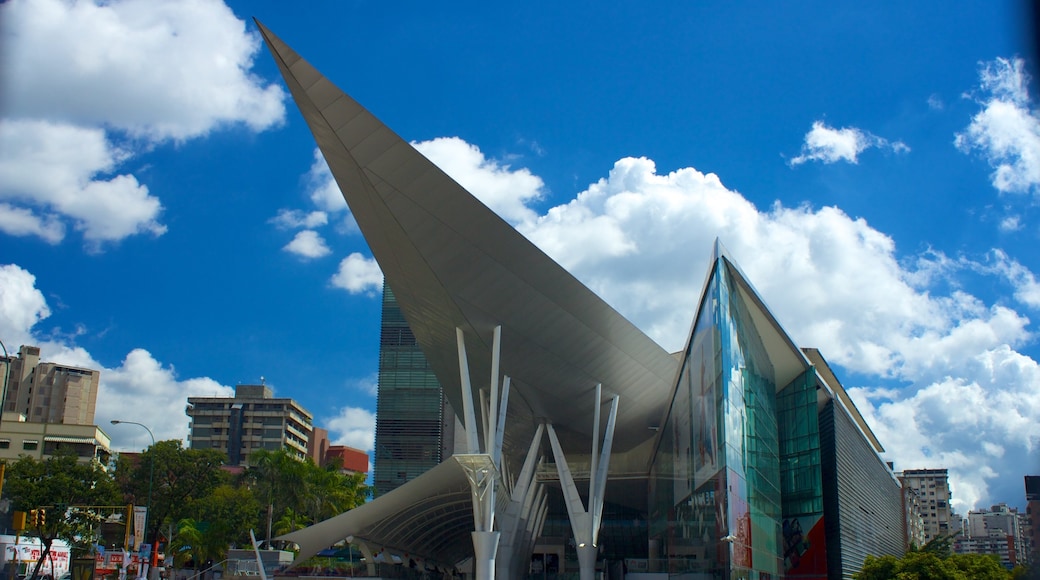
[30, 445]
[5, 443]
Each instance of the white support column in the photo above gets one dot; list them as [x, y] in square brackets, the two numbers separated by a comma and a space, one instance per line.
[483, 469]
[585, 523]
[468, 414]
[510, 520]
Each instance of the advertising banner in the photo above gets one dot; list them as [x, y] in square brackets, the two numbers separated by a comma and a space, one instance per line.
[140, 513]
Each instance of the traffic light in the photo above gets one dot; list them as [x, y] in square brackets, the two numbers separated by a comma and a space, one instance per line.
[41, 515]
[34, 518]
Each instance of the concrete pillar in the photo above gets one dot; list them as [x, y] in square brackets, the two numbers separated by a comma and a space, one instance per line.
[587, 561]
[485, 549]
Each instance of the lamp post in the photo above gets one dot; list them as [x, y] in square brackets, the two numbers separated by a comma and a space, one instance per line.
[148, 505]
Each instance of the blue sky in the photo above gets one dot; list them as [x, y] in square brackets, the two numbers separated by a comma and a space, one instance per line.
[875, 170]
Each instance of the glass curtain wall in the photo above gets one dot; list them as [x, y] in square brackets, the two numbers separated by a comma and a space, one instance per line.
[410, 405]
[715, 509]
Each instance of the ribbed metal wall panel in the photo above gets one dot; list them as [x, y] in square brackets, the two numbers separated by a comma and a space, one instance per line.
[862, 500]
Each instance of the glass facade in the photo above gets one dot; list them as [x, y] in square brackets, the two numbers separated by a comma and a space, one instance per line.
[801, 479]
[735, 486]
[414, 423]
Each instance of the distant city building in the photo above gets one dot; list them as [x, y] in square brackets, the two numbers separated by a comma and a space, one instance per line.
[318, 445]
[997, 530]
[253, 419]
[46, 392]
[1032, 517]
[19, 437]
[415, 423]
[933, 493]
[352, 460]
[914, 517]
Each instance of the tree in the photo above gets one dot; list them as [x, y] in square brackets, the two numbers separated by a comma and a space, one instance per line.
[180, 477]
[300, 492]
[229, 513]
[927, 565]
[278, 479]
[68, 491]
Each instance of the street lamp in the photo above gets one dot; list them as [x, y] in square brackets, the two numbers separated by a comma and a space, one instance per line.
[148, 505]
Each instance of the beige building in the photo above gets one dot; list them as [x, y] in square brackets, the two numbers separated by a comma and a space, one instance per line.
[932, 487]
[253, 419]
[46, 392]
[19, 437]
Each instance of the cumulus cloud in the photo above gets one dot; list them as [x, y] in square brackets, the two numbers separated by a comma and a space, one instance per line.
[354, 427]
[834, 282]
[830, 145]
[1006, 132]
[501, 188]
[150, 72]
[289, 219]
[323, 190]
[140, 389]
[141, 76]
[308, 244]
[22, 305]
[358, 275]
[57, 169]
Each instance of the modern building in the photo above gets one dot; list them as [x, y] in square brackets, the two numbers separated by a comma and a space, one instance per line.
[251, 420]
[352, 460]
[19, 437]
[415, 423]
[999, 531]
[913, 518]
[46, 392]
[933, 493]
[1032, 483]
[318, 445]
[739, 457]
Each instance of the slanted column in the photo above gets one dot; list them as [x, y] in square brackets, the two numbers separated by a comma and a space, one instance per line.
[518, 510]
[585, 523]
[482, 468]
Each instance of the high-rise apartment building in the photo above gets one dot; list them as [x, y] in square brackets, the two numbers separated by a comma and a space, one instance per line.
[415, 424]
[933, 493]
[253, 419]
[43, 392]
[1032, 517]
[999, 531]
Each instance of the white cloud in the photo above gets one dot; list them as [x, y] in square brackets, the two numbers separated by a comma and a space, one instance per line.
[1011, 223]
[17, 221]
[155, 73]
[830, 145]
[354, 427]
[60, 168]
[358, 275]
[1006, 132]
[308, 244]
[176, 70]
[642, 241]
[324, 191]
[293, 218]
[142, 389]
[501, 188]
[22, 305]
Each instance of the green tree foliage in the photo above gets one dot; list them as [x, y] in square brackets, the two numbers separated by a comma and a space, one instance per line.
[67, 490]
[299, 493]
[927, 565]
[181, 477]
[220, 520]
